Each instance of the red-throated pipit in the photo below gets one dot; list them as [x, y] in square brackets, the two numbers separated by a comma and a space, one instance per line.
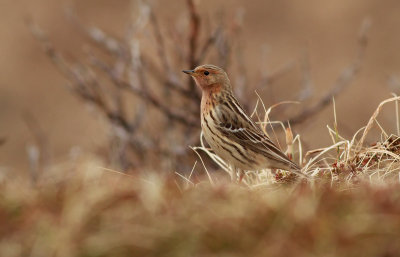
[229, 131]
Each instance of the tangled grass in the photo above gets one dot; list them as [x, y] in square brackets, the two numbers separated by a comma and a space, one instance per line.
[349, 206]
[350, 162]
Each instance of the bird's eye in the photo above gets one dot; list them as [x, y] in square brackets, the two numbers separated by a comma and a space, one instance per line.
[206, 73]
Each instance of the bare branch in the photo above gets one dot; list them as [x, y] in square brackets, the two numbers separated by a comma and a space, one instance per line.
[194, 33]
[208, 44]
[307, 84]
[193, 42]
[144, 94]
[343, 81]
[160, 43]
[107, 42]
[39, 152]
[274, 76]
[167, 81]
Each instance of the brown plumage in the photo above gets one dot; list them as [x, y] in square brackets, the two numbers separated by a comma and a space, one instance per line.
[229, 130]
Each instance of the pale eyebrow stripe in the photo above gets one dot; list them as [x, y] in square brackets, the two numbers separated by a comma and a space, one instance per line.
[211, 67]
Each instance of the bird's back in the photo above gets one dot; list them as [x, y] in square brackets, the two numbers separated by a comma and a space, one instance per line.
[236, 138]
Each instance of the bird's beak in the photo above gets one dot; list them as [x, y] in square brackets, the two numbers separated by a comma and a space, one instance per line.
[190, 72]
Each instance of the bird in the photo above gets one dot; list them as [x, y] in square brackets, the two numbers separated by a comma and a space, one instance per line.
[229, 131]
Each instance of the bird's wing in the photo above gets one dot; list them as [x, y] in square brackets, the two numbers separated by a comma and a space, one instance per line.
[256, 141]
[242, 129]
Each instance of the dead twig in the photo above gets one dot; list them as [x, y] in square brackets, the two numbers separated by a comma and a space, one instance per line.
[38, 152]
[194, 32]
[343, 81]
[208, 44]
[143, 92]
[110, 43]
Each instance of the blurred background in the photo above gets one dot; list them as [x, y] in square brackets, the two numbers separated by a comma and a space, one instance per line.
[307, 45]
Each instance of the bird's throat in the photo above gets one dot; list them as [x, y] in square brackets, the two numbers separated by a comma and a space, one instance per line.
[210, 98]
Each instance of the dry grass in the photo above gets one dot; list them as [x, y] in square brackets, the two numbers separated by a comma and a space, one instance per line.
[347, 203]
[98, 213]
[345, 161]
[349, 206]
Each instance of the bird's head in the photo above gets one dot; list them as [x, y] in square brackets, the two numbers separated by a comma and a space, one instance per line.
[209, 77]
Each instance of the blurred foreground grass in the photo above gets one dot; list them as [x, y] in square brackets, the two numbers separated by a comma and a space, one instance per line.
[81, 209]
[350, 206]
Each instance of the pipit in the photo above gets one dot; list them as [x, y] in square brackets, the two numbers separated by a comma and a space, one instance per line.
[229, 131]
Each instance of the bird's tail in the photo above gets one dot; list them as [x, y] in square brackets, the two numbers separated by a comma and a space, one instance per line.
[298, 171]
